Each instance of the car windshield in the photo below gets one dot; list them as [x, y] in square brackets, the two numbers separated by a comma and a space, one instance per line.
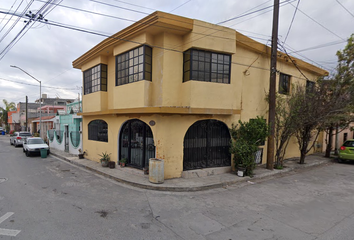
[349, 144]
[35, 141]
[25, 134]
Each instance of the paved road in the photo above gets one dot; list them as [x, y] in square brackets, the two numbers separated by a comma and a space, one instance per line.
[51, 199]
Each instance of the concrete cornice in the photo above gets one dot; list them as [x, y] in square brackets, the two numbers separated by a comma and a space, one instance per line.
[164, 110]
[162, 20]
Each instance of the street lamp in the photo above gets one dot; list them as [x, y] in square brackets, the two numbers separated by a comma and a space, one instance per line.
[40, 97]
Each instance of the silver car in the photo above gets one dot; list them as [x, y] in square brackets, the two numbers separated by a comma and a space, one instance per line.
[18, 138]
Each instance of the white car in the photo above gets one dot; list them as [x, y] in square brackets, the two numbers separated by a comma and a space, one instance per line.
[34, 145]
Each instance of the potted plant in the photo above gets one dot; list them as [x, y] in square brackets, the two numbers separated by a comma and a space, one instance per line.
[122, 162]
[105, 158]
[81, 153]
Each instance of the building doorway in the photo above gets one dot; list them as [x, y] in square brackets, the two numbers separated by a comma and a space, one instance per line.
[136, 144]
[206, 144]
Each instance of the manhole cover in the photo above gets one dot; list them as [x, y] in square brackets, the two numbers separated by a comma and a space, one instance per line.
[3, 180]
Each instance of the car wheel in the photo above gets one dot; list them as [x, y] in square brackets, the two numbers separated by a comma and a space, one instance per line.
[11, 143]
[27, 154]
[15, 143]
[340, 160]
[23, 150]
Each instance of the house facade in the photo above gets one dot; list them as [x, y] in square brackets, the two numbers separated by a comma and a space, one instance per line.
[170, 87]
[66, 132]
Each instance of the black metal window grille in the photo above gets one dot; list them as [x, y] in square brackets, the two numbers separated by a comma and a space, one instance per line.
[136, 144]
[284, 84]
[310, 86]
[206, 144]
[98, 131]
[95, 79]
[134, 65]
[206, 66]
[345, 137]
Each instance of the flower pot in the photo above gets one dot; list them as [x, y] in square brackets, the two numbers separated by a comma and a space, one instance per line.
[241, 171]
[104, 163]
[81, 156]
[111, 164]
[122, 164]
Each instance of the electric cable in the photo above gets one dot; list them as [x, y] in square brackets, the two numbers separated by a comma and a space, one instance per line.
[292, 21]
[345, 8]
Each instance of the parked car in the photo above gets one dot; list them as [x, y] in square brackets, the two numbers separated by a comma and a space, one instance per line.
[346, 151]
[17, 138]
[34, 145]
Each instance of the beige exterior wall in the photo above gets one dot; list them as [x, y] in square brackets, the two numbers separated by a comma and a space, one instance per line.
[173, 104]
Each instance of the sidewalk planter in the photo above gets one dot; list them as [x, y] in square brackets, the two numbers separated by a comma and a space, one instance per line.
[240, 171]
[111, 164]
[122, 162]
[156, 170]
[105, 158]
[44, 153]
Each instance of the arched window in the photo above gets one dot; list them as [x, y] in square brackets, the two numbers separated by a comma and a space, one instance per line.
[98, 131]
[206, 144]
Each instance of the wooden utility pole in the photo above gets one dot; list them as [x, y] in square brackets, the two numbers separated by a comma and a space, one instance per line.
[26, 114]
[272, 84]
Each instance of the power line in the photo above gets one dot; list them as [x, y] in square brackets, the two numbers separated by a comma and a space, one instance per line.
[180, 5]
[250, 13]
[318, 22]
[29, 84]
[292, 20]
[345, 8]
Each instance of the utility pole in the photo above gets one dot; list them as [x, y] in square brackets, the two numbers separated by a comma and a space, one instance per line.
[272, 84]
[26, 114]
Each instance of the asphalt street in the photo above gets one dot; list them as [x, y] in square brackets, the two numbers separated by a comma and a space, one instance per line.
[47, 198]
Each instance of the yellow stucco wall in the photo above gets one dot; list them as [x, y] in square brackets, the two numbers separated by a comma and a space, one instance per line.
[168, 133]
[244, 96]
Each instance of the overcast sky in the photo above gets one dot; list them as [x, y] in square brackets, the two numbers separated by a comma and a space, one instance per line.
[319, 29]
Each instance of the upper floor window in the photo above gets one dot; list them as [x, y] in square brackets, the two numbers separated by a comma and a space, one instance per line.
[98, 131]
[206, 66]
[95, 79]
[134, 65]
[284, 84]
[310, 86]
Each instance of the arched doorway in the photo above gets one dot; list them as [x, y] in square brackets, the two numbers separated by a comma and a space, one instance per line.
[136, 143]
[206, 144]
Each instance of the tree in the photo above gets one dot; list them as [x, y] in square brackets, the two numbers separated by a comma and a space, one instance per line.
[283, 128]
[340, 93]
[8, 107]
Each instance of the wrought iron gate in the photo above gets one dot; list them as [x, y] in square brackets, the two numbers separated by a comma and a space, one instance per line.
[206, 144]
[136, 143]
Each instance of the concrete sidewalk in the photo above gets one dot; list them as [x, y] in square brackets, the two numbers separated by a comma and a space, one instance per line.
[135, 177]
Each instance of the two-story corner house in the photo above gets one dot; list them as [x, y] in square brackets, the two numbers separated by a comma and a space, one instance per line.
[170, 87]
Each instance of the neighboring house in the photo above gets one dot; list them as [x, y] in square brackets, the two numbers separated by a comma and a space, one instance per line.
[343, 135]
[170, 87]
[66, 134]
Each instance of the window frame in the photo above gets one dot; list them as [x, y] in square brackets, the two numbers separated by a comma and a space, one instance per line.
[93, 133]
[99, 72]
[310, 86]
[206, 66]
[281, 89]
[134, 65]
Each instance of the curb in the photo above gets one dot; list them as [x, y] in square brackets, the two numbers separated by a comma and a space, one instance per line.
[262, 176]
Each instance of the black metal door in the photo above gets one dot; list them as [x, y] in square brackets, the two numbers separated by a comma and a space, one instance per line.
[136, 144]
[206, 144]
